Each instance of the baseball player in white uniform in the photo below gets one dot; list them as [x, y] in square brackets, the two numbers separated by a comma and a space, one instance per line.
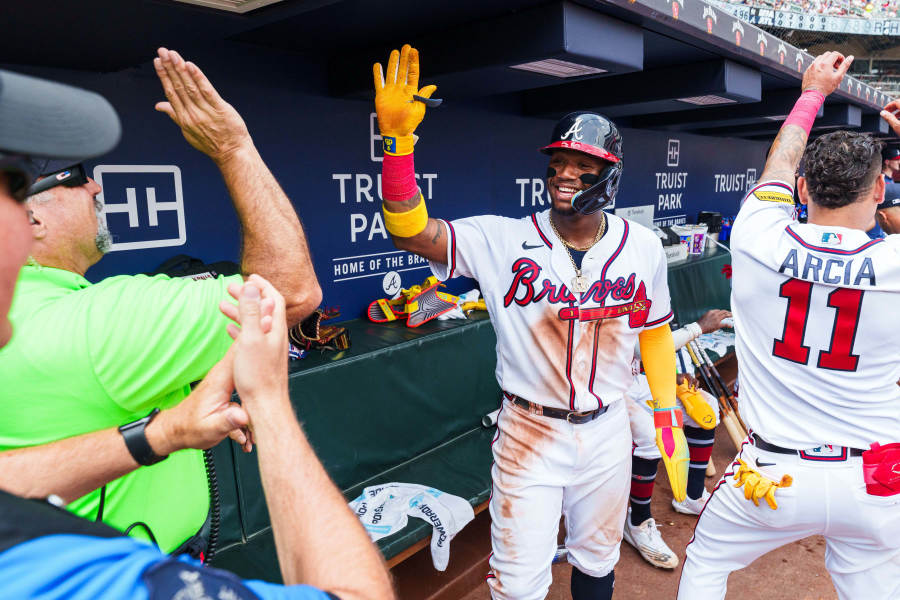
[569, 291]
[700, 420]
[818, 351]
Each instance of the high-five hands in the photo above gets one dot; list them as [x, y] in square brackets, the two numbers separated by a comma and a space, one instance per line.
[261, 343]
[399, 112]
[208, 123]
[826, 72]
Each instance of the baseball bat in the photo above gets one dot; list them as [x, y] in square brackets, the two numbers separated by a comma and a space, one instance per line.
[728, 395]
[710, 467]
[731, 426]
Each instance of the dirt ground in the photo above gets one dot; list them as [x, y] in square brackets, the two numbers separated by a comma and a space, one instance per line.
[794, 572]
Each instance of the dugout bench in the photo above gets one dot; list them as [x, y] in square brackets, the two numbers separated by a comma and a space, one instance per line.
[402, 405]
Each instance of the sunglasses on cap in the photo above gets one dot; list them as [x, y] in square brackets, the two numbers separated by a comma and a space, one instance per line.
[73, 176]
[20, 172]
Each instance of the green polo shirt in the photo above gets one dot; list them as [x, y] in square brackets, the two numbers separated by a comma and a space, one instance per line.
[88, 357]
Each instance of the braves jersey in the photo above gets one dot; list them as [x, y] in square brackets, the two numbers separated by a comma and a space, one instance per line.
[557, 347]
[818, 339]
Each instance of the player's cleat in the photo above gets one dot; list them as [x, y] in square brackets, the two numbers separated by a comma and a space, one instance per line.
[647, 540]
[690, 506]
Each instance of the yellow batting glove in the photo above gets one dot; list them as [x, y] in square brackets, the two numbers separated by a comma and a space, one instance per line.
[398, 112]
[756, 485]
[674, 449]
[696, 406]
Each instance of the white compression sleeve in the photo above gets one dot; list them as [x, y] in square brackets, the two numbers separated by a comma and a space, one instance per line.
[688, 333]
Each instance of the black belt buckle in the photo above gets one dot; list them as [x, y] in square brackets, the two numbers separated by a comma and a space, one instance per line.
[585, 417]
[577, 418]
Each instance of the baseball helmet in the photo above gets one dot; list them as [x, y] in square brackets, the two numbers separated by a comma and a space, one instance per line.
[595, 135]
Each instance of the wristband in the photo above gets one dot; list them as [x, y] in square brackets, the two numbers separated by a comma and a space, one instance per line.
[667, 417]
[398, 145]
[398, 178]
[406, 224]
[805, 110]
[136, 441]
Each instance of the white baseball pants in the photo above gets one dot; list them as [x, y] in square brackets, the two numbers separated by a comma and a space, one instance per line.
[544, 468]
[862, 532]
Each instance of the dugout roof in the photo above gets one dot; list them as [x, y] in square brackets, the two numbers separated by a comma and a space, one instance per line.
[679, 65]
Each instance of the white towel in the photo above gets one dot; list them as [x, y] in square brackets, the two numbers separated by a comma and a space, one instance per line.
[385, 510]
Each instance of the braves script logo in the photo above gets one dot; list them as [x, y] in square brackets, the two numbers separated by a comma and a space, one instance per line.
[709, 13]
[781, 52]
[525, 290]
[738, 30]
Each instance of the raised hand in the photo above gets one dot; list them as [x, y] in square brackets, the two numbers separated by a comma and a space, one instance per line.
[826, 72]
[889, 114]
[208, 123]
[260, 360]
[398, 113]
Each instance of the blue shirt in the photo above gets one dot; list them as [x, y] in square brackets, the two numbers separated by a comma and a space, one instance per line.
[876, 232]
[80, 567]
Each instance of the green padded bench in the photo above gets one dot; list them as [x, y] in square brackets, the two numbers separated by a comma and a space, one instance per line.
[400, 405]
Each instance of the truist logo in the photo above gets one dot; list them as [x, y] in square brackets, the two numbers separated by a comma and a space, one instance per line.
[527, 288]
[709, 15]
[574, 130]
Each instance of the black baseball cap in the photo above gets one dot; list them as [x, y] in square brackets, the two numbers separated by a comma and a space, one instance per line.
[890, 153]
[42, 120]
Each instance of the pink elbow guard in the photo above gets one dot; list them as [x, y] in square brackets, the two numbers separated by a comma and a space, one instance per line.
[805, 110]
[398, 178]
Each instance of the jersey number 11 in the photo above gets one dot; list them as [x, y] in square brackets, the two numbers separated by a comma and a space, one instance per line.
[839, 356]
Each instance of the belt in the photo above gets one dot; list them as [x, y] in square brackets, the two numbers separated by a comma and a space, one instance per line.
[572, 416]
[826, 452]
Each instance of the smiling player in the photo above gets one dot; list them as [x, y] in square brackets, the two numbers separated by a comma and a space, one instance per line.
[570, 291]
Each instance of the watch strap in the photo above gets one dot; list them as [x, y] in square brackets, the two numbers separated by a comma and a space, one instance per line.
[136, 440]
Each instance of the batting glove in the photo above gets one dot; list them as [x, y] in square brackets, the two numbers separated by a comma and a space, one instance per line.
[398, 112]
[756, 485]
[673, 447]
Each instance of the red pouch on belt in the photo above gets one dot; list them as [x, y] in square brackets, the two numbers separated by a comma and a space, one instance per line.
[881, 469]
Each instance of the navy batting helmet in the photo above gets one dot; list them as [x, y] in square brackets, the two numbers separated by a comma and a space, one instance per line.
[595, 135]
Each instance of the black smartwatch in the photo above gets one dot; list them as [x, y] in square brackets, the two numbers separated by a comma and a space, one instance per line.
[136, 440]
